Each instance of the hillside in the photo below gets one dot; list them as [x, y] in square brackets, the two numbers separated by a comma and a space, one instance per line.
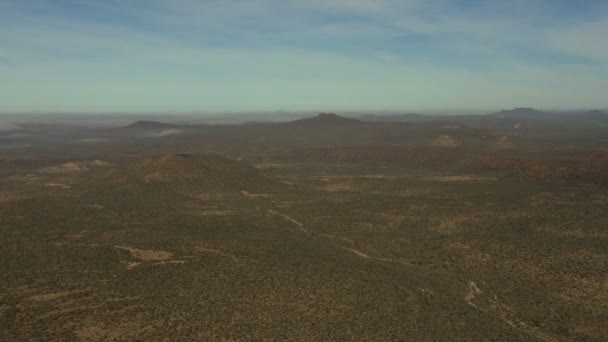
[210, 171]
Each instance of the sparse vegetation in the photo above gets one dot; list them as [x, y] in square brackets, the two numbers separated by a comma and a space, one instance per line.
[376, 237]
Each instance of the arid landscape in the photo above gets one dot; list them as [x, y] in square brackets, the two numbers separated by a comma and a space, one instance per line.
[328, 227]
[319, 170]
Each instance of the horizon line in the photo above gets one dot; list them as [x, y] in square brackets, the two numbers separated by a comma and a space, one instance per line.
[279, 111]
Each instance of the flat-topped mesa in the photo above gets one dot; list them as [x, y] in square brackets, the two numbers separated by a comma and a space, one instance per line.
[325, 119]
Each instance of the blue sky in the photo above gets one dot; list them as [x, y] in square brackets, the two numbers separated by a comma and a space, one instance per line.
[339, 55]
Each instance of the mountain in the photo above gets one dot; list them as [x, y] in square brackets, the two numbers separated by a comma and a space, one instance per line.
[521, 113]
[325, 119]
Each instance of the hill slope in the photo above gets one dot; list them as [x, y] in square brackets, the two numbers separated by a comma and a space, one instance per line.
[209, 172]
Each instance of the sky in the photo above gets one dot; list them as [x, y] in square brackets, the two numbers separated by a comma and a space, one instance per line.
[308, 55]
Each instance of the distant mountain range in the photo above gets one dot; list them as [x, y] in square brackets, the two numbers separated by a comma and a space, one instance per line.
[524, 113]
[499, 119]
[512, 118]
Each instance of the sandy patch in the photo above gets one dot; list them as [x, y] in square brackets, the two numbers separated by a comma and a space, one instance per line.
[54, 295]
[473, 292]
[70, 167]
[74, 167]
[131, 265]
[147, 255]
[153, 177]
[443, 141]
[217, 213]
[100, 163]
[58, 185]
[503, 142]
[460, 179]
[78, 236]
[250, 195]
[356, 252]
[338, 187]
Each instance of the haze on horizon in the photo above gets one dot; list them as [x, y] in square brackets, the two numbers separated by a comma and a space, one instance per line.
[335, 55]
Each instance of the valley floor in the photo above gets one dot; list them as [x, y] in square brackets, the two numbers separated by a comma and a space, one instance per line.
[334, 252]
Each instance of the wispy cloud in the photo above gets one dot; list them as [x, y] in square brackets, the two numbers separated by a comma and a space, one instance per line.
[268, 54]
